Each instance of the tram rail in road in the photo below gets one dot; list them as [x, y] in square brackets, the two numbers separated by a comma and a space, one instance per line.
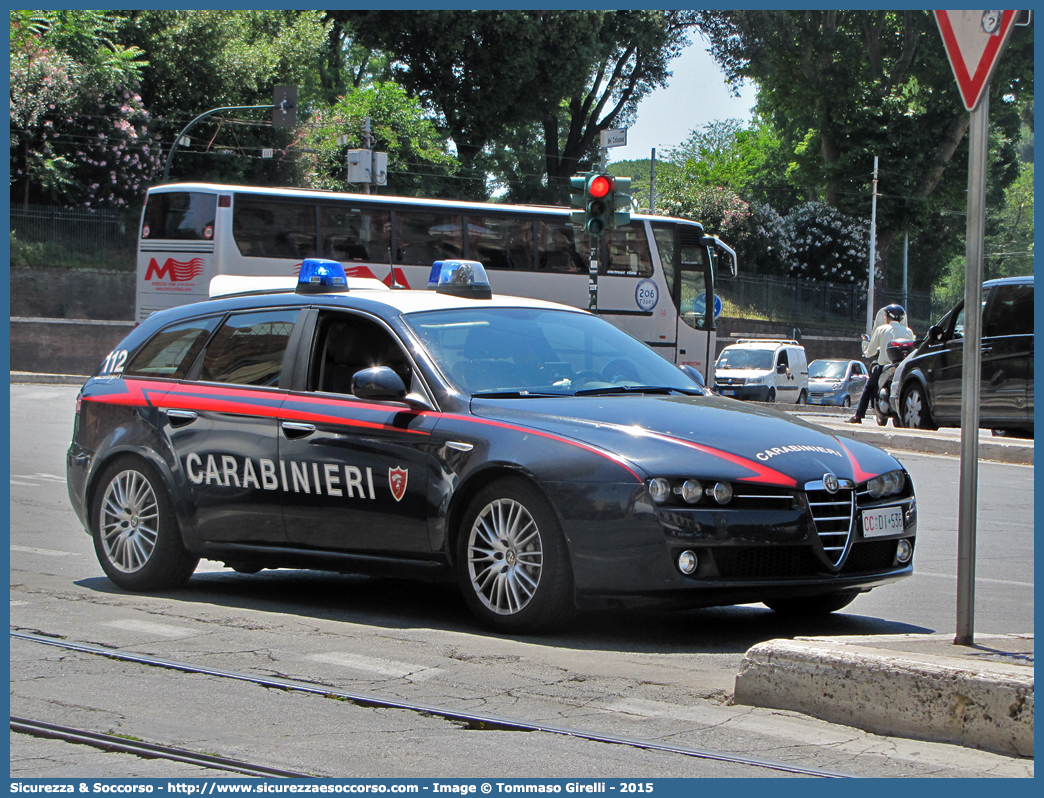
[472, 720]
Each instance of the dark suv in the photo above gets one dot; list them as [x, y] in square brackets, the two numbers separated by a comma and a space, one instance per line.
[930, 396]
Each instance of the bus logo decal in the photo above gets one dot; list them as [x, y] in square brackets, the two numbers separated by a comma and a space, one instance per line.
[646, 295]
[176, 271]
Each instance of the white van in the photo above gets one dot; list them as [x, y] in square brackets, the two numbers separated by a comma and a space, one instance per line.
[765, 370]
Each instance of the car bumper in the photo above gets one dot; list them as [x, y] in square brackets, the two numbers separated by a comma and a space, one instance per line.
[834, 399]
[756, 393]
[626, 555]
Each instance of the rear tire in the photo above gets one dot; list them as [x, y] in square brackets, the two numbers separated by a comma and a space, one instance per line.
[812, 605]
[802, 399]
[914, 409]
[135, 531]
[846, 402]
[512, 561]
[771, 396]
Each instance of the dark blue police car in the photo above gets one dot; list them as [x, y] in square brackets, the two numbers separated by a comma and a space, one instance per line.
[534, 453]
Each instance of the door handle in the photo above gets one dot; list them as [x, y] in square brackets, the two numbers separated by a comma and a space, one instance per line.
[296, 429]
[179, 418]
[986, 349]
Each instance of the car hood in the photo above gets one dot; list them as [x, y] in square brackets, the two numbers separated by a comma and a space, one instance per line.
[706, 437]
[829, 383]
[744, 373]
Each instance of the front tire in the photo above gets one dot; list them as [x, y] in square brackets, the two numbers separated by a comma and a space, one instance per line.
[812, 605]
[802, 399]
[136, 535]
[512, 560]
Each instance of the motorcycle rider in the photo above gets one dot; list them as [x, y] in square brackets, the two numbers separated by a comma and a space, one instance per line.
[891, 329]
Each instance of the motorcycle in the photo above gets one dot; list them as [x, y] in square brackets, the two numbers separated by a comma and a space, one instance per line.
[897, 350]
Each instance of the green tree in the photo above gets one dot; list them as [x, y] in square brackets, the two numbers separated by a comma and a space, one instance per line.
[418, 162]
[509, 86]
[77, 123]
[843, 86]
[200, 60]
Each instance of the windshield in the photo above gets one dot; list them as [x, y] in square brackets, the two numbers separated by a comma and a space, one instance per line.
[744, 359]
[539, 352]
[827, 369]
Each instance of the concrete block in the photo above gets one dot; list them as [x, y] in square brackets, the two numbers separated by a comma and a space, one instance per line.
[920, 696]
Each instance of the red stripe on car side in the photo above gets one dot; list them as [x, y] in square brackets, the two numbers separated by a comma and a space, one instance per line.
[600, 452]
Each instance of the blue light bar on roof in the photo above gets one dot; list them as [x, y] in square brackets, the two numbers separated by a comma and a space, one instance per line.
[319, 276]
[464, 278]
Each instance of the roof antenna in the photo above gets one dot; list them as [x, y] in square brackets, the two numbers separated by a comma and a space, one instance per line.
[394, 283]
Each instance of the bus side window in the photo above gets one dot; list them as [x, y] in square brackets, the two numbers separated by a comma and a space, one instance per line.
[501, 242]
[665, 245]
[423, 238]
[558, 250]
[356, 234]
[628, 251]
[264, 229]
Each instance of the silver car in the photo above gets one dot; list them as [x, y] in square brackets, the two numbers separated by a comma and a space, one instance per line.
[836, 382]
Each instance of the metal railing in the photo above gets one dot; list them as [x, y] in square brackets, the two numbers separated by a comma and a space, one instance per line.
[791, 299]
[82, 230]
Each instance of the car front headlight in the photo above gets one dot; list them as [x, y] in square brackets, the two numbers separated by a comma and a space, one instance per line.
[755, 380]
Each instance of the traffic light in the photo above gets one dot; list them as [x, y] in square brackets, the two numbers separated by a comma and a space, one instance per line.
[620, 202]
[598, 196]
[578, 200]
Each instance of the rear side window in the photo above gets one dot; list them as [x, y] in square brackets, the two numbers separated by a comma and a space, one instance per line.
[180, 215]
[1010, 312]
[172, 351]
[249, 348]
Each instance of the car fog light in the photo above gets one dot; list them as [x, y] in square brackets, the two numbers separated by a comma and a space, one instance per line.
[691, 490]
[659, 489]
[876, 487]
[687, 562]
[722, 493]
[904, 551]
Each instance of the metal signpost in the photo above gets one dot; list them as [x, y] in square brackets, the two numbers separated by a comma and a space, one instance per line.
[974, 42]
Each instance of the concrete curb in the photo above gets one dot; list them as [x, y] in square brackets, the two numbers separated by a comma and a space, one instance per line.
[919, 695]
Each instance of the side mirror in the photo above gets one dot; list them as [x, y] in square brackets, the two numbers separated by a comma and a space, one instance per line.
[781, 369]
[693, 375]
[379, 383]
[935, 334]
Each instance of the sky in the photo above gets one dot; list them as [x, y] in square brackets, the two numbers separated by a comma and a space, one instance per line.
[695, 95]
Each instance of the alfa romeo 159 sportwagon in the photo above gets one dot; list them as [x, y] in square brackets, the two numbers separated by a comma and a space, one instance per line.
[531, 452]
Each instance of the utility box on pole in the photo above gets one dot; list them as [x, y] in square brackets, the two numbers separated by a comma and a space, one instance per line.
[360, 165]
[379, 169]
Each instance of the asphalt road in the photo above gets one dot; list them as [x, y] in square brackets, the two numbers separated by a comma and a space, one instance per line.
[660, 676]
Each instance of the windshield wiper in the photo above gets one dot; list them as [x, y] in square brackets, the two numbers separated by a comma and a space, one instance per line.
[664, 389]
[523, 394]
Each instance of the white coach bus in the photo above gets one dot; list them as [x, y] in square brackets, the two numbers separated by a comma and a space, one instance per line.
[656, 275]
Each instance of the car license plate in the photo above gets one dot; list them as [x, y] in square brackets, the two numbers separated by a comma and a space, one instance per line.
[882, 521]
[815, 400]
[728, 393]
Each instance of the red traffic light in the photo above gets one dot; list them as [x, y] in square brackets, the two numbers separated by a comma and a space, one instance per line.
[600, 186]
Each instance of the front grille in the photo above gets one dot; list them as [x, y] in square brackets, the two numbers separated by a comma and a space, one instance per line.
[833, 515]
[765, 562]
[730, 380]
